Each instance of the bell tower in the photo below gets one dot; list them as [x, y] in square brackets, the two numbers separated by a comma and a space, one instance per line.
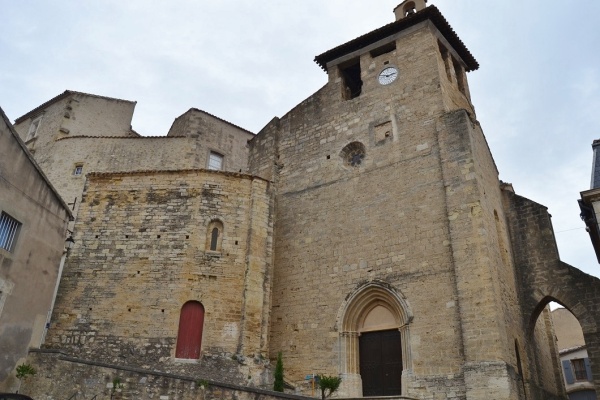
[389, 252]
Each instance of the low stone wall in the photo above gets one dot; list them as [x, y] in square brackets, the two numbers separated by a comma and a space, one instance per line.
[60, 377]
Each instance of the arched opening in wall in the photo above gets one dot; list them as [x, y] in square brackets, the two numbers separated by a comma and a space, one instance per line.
[189, 335]
[375, 340]
[446, 59]
[559, 352]
[459, 72]
[574, 361]
[214, 236]
[409, 9]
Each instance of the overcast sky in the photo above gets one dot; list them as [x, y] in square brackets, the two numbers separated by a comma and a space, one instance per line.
[537, 92]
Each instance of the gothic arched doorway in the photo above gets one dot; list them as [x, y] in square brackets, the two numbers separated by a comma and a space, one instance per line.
[375, 341]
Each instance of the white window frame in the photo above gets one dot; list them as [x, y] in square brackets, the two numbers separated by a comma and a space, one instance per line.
[33, 128]
[9, 231]
[78, 168]
[213, 159]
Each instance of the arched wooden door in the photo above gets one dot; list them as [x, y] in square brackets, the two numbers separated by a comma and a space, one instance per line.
[189, 337]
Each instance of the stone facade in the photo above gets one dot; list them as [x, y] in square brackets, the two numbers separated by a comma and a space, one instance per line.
[33, 222]
[422, 215]
[370, 211]
[94, 133]
[87, 379]
[143, 254]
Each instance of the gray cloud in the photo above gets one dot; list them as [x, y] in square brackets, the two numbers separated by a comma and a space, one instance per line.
[536, 93]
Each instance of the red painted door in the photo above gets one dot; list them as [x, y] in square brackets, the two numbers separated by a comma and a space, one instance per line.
[189, 338]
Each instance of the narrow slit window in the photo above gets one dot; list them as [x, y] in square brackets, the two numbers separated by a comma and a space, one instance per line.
[214, 236]
[214, 239]
[78, 170]
[9, 230]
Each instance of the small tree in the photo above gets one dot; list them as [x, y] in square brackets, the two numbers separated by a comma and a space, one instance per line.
[328, 385]
[278, 384]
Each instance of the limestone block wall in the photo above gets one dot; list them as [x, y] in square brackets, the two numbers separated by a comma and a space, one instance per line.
[421, 212]
[76, 114]
[141, 253]
[542, 277]
[547, 358]
[216, 135]
[61, 377]
[30, 268]
[111, 154]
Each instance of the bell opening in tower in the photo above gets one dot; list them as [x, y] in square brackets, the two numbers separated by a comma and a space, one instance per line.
[350, 73]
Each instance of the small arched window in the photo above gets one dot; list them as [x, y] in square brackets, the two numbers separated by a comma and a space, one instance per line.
[214, 236]
[189, 336]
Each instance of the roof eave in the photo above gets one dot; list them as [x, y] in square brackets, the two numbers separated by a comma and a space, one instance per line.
[430, 13]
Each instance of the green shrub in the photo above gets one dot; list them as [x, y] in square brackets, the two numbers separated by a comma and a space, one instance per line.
[278, 384]
[25, 370]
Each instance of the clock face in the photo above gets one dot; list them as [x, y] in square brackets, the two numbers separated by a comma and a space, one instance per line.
[388, 75]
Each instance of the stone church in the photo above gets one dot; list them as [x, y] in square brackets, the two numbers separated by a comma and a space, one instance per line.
[363, 234]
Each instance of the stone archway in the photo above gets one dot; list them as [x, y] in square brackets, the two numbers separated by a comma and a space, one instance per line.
[542, 277]
[372, 307]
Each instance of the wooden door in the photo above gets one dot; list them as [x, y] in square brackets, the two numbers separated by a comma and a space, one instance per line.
[381, 363]
[189, 337]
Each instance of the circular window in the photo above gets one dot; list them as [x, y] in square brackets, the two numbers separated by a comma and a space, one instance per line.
[353, 154]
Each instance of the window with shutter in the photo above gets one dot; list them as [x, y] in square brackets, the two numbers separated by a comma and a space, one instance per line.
[588, 369]
[568, 371]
